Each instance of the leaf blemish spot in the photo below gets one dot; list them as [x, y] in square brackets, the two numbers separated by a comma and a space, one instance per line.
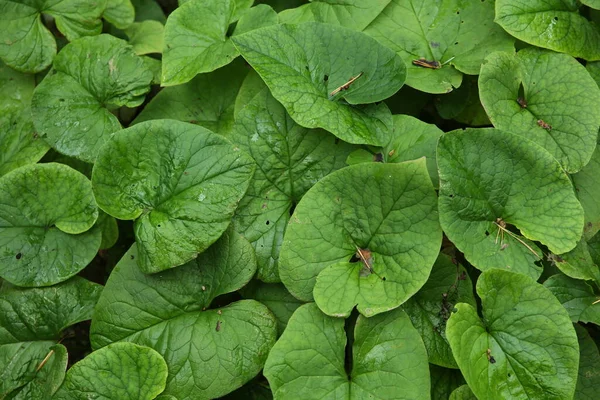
[543, 124]
[18, 256]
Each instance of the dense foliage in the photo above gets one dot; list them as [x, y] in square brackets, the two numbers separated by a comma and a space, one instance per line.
[332, 199]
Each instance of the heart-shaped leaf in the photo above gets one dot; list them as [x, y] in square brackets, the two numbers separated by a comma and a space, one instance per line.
[207, 100]
[196, 39]
[552, 24]
[71, 106]
[440, 40]
[546, 97]
[27, 45]
[389, 360]
[120, 371]
[366, 235]
[577, 297]
[221, 348]
[491, 180]
[321, 73]
[353, 14]
[525, 346]
[46, 212]
[31, 321]
[290, 160]
[19, 142]
[431, 307]
[180, 183]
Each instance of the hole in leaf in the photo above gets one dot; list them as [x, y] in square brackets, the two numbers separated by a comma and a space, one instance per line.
[378, 157]
[132, 256]
[326, 78]
[487, 233]
[555, 18]
[268, 222]
[158, 226]
[18, 256]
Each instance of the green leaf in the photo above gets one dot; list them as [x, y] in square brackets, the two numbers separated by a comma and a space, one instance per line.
[19, 142]
[251, 87]
[525, 346]
[179, 182]
[31, 321]
[463, 104]
[444, 381]
[46, 212]
[591, 3]
[577, 297]
[552, 24]
[430, 308]
[492, 181]
[19, 363]
[121, 371]
[91, 76]
[27, 45]
[304, 64]
[146, 37]
[120, 13]
[457, 34]
[556, 107]
[148, 10]
[196, 39]
[587, 186]
[223, 348]
[462, 393]
[257, 17]
[382, 215]
[353, 14]
[110, 230]
[290, 160]
[589, 366]
[207, 100]
[389, 360]
[577, 263]
[275, 296]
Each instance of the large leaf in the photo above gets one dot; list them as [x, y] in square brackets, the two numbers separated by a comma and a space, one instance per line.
[304, 64]
[27, 45]
[121, 371]
[290, 160]
[209, 352]
[46, 212]
[91, 76]
[388, 361]
[31, 321]
[587, 186]
[207, 100]
[196, 39]
[491, 180]
[457, 34]
[180, 183]
[552, 24]
[430, 308]
[546, 97]
[525, 346]
[19, 142]
[577, 297]
[588, 381]
[353, 14]
[366, 235]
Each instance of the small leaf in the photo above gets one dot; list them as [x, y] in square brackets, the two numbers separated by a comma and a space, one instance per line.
[121, 371]
[120, 13]
[552, 24]
[525, 346]
[462, 393]
[196, 39]
[353, 14]
[431, 307]
[577, 263]
[27, 45]
[179, 182]
[455, 34]
[491, 180]
[71, 106]
[559, 94]
[207, 100]
[146, 37]
[224, 348]
[290, 160]
[577, 297]
[258, 16]
[321, 86]
[388, 361]
[46, 212]
[383, 217]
